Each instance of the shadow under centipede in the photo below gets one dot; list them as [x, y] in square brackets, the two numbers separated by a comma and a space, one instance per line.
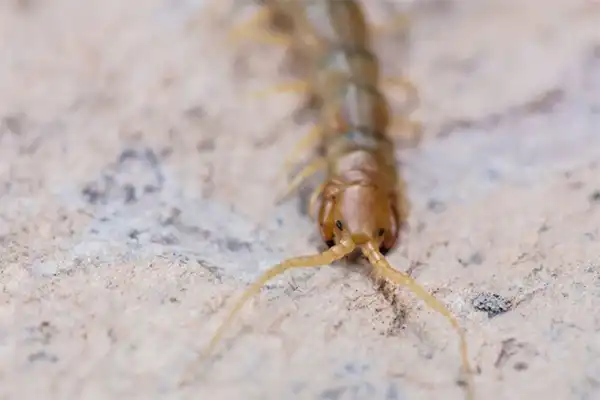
[400, 310]
[389, 292]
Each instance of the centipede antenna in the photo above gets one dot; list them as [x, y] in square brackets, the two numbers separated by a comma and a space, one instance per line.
[383, 269]
[327, 257]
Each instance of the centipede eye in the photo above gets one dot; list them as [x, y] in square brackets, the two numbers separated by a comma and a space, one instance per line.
[339, 224]
[380, 232]
[383, 250]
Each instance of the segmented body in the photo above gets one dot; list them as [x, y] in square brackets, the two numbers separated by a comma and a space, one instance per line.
[363, 184]
[361, 203]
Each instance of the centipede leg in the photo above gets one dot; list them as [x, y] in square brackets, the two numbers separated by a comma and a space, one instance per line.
[311, 169]
[214, 10]
[402, 203]
[307, 141]
[407, 131]
[383, 269]
[399, 24]
[252, 30]
[412, 94]
[314, 198]
[289, 87]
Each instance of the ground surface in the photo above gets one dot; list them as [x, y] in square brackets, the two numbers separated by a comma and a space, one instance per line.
[137, 182]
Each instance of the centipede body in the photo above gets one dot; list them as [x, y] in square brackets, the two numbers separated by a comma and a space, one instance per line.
[361, 206]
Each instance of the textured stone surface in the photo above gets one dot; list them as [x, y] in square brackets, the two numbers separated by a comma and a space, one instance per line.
[137, 188]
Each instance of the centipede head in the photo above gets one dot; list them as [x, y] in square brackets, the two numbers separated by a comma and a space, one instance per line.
[362, 212]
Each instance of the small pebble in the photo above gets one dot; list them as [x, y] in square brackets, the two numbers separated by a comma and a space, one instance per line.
[492, 303]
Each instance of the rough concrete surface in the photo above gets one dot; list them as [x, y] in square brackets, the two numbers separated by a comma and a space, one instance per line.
[137, 199]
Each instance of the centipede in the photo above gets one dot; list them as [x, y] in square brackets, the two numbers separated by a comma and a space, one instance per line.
[361, 206]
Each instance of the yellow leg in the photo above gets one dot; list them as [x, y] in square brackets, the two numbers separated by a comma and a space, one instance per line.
[403, 203]
[409, 132]
[306, 172]
[302, 146]
[383, 269]
[412, 94]
[252, 30]
[327, 257]
[290, 87]
[314, 197]
[212, 12]
[400, 23]
[250, 26]
[265, 37]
